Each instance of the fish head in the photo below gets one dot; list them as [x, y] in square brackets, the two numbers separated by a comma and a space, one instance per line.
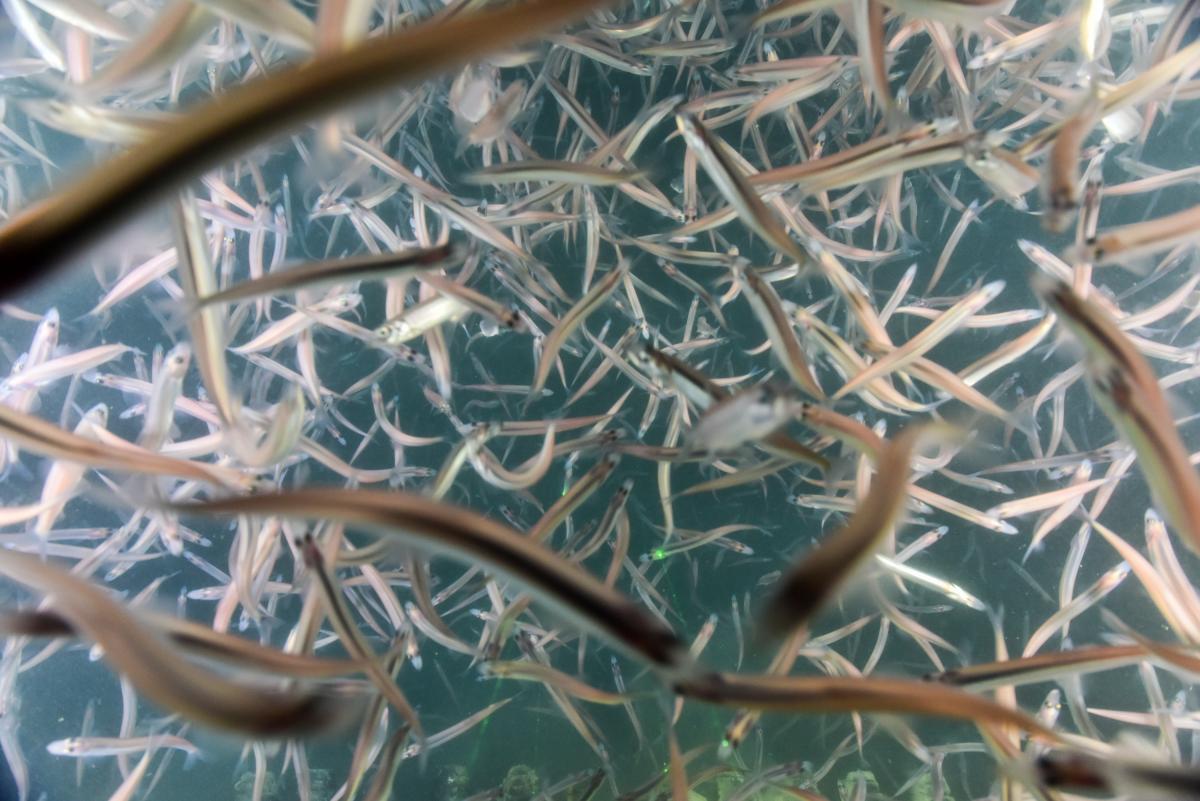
[50, 322]
[68, 747]
[178, 360]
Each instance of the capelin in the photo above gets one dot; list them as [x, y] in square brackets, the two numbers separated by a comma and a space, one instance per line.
[67, 747]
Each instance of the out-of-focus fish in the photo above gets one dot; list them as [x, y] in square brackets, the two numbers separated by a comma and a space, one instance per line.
[748, 416]
[91, 747]
[161, 674]
[532, 671]
[421, 318]
[948, 588]
[72, 364]
[811, 582]
[1060, 182]
[50, 231]
[1115, 775]
[504, 316]
[64, 475]
[460, 532]
[1129, 392]
[1041, 667]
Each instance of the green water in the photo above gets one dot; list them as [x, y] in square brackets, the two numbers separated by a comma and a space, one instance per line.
[530, 730]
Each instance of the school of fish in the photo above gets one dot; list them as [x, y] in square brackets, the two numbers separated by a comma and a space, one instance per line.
[350, 341]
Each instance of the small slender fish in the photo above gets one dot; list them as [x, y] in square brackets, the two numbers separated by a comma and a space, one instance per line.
[69, 365]
[619, 681]
[344, 270]
[1082, 474]
[1108, 582]
[1046, 500]
[1047, 714]
[129, 787]
[166, 389]
[572, 497]
[1129, 393]
[10, 747]
[736, 189]
[493, 472]
[922, 343]
[847, 429]
[571, 321]
[784, 343]
[1127, 243]
[825, 694]
[64, 475]
[352, 639]
[561, 172]
[451, 732]
[297, 322]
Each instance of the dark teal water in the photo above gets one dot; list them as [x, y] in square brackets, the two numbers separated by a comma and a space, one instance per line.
[529, 730]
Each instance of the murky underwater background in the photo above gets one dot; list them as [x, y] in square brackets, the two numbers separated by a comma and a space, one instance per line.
[530, 730]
